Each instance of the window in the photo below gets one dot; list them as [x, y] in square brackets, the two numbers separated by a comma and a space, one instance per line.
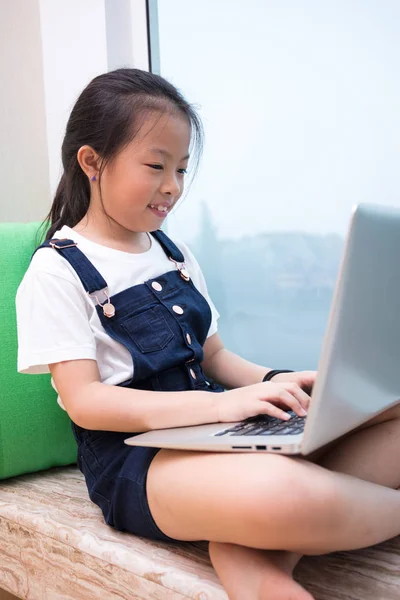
[300, 103]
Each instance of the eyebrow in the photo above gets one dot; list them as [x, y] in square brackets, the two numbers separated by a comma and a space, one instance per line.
[166, 153]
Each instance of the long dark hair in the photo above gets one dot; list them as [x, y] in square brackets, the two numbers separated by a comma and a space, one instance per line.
[106, 117]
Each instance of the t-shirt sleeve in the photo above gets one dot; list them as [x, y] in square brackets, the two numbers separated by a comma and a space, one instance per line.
[200, 283]
[52, 322]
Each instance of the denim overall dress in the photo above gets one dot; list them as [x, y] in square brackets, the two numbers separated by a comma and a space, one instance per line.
[163, 323]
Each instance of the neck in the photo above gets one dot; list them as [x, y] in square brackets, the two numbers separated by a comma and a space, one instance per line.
[104, 230]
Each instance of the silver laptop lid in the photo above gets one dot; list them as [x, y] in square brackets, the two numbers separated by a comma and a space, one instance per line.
[359, 369]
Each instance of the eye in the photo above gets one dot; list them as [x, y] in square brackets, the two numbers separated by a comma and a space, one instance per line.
[161, 168]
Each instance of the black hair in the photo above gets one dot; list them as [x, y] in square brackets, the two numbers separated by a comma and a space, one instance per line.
[106, 117]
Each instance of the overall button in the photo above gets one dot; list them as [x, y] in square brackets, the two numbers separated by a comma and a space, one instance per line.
[189, 339]
[177, 309]
[193, 374]
[156, 286]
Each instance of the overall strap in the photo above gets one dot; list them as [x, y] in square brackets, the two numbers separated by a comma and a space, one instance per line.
[91, 279]
[170, 249]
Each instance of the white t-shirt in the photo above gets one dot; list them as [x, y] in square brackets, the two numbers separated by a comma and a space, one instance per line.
[57, 319]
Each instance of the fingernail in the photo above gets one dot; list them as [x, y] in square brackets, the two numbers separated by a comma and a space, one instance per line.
[287, 417]
[303, 412]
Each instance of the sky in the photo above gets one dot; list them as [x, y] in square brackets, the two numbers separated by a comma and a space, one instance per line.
[300, 102]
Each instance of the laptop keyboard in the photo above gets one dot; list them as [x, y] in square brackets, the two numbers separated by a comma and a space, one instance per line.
[266, 425]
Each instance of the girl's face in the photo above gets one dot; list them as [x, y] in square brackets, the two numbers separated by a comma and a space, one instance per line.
[143, 183]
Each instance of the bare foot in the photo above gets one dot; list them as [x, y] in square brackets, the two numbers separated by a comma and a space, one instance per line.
[250, 574]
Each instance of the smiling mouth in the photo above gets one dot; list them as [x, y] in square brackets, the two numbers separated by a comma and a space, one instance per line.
[159, 207]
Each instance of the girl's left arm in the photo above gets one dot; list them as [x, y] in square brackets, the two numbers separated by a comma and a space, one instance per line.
[227, 368]
[233, 371]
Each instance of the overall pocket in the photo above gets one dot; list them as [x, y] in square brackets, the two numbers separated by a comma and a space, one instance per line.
[149, 330]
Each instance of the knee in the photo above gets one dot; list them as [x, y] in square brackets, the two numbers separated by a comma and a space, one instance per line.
[391, 414]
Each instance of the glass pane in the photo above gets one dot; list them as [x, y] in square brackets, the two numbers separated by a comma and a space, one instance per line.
[300, 103]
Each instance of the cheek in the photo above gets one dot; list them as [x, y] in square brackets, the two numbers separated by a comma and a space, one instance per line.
[181, 187]
[127, 190]
[112, 187]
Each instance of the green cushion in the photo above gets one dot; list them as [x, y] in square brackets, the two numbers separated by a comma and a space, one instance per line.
[35, 433]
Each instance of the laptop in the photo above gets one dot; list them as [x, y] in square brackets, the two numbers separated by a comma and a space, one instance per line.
[359, 368]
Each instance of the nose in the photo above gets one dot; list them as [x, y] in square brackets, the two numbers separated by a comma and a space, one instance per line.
[171, 186]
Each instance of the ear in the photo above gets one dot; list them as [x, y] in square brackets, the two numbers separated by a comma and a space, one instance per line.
[88, 160]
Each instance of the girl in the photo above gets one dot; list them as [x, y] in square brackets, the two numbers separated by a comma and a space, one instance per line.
[121, 317]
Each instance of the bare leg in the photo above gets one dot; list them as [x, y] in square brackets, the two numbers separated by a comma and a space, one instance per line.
[327, 515]
[256, 574]
[371, 453]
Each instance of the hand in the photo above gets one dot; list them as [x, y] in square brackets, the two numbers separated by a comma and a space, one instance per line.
[268, 398]
[304, 379]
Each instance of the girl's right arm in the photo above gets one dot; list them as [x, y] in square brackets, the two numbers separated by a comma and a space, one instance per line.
[92, 404]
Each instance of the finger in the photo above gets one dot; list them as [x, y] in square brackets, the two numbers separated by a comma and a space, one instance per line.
[301, 396]
[307, 379]
[266, 408]
[290, 401]
[311, 375]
